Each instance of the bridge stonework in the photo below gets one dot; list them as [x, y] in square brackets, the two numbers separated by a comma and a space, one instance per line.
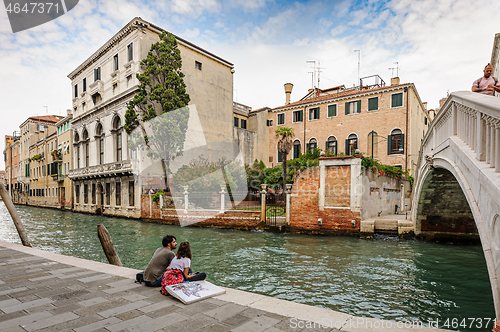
[457, 185]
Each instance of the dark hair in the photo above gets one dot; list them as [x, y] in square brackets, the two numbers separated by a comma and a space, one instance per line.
[167, 239]
[184, 250]
[488, 65]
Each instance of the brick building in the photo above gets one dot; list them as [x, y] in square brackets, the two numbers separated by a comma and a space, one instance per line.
[386, 122]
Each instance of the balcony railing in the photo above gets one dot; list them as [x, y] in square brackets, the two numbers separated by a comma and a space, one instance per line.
[106, 170]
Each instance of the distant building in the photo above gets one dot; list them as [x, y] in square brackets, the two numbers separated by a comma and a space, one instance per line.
[386, 122]
[12, 157]
[101, 88]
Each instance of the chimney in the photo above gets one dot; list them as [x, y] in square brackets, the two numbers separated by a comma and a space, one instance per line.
[425, 105]
[441, 102]
[288, 92]
[395, 81]
[69, 112]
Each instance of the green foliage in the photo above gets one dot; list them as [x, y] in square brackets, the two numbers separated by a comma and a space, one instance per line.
[388, 170]
[156, 196]
[161, 91]
[36, 157]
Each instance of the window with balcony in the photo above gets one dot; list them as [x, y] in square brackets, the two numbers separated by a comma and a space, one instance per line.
[86, 148]
[395, 142]
[118, 137]
[97, 74]
[100, 144]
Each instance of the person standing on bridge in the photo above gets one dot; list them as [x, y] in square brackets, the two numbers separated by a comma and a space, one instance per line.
[487, 84]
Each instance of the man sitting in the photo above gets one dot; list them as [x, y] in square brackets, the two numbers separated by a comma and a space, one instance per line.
[160, 262]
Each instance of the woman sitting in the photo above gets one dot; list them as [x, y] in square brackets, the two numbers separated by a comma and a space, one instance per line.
[179, 268]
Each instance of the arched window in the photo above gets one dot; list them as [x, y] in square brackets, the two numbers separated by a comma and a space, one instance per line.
[296, 149]
[100, 143]
[395, 142]
[373, 144]
[331, 145]
[313, 144]
[85, 137]
[77, 150]
[351, 144]
[118, 137]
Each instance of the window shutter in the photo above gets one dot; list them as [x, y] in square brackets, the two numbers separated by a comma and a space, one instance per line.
[403, 142]
[326, 148]
[389, 145]
[359, 106]
[335, 149]
[347, 147]
[346, 108]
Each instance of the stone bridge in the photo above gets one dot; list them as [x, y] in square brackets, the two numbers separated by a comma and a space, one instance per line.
[457, 187]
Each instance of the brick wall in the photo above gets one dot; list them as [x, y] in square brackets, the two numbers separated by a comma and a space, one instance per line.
[338, 186]
[304, 212]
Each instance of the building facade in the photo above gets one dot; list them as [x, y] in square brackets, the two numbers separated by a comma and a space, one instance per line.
[104, 181]
[12, 159]
[386, 122]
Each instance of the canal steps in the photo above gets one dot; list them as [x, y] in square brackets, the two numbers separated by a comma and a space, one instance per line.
[392, 225]
[62, 293]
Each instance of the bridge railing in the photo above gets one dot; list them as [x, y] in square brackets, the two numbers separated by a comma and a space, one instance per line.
[474, 118]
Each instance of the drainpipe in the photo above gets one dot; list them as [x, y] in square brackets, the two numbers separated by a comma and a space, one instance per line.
[406, 131]
[304, 116]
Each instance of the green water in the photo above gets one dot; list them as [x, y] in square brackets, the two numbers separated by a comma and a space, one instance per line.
[385, 278]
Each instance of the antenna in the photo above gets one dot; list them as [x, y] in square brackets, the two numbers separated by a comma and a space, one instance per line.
[397, 68]
[359, 60]
[314, 70]
[312, 78]
[46, 109]
[319, 71]
[392, 74]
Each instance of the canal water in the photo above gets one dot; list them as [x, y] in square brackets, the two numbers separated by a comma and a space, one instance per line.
[387, 278]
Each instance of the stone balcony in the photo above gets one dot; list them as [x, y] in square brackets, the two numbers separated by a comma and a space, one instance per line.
[97, 87]
[99, 171]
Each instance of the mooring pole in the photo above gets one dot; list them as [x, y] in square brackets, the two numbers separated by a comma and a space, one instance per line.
[108, 246]
[13, 213]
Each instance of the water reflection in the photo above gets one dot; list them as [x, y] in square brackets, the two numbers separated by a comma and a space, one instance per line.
[385, 278]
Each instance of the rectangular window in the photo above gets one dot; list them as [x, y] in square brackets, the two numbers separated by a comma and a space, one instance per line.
[314, 113]
[197, 65]
[269, 123]
[297, 116]
[108, 193]
[397, 100]
[76, 90]
[130, 51]
[101, 151]
[115, 61]
[280, 156]
[332, 111]
[353, 107]
[281, 119]
[93, 193]
[85, 194]
[84, 84]
[131, 196]
[395, 144]
[243, 124]
[373, 104]
[236, 122]
[118, 194]
[97, 74]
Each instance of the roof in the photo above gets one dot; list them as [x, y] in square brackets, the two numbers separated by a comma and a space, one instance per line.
[341, 94]
[46, 118]
[260, 110]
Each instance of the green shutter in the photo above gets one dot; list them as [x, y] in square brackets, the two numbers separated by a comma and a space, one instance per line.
[347, 147]
[403, 142]
[346, 108]
[301, 115]
[332, 110]
[359, 106]
[389, 145]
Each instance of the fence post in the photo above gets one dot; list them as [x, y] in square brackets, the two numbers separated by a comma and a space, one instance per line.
[288, 193]
[222, 198]
[108, 246]
[186, 202]
[15, 217]
[263, 203]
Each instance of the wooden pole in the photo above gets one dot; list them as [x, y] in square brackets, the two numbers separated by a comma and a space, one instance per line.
[13, 213]
[108, 246]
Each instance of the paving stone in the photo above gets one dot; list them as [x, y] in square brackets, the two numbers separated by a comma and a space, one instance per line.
[94, 309]
[226, 311]
[46, 322]
[163, 311]
[14, 329]
[121, 288]
[122, 282]
[9, 303]
[77, 275]
[28, 298]
[129, 315]
[65, 308]
[27, 305]
[257, 324]
[252, 312]
[216, 328]
[25, 319]
[201, 306]
[129, 323]
[158, 323]
[91, 302]
[194, 323]
[157, 306]
[124, 308]
[95, 278]
[134, 297]
[69, 295]
[97, 325]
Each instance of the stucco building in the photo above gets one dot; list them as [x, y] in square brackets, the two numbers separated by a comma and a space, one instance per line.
[386, 122]
[104, 181]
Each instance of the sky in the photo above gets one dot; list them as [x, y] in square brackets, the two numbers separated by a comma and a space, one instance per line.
[440, 46]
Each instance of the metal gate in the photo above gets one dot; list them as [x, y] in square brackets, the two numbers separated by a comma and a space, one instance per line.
[275, 209]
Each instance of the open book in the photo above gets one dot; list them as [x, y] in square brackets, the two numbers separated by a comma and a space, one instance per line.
[189, 292]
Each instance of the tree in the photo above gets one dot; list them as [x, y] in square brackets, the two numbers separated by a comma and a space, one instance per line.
[162, 91]
[284, 146]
